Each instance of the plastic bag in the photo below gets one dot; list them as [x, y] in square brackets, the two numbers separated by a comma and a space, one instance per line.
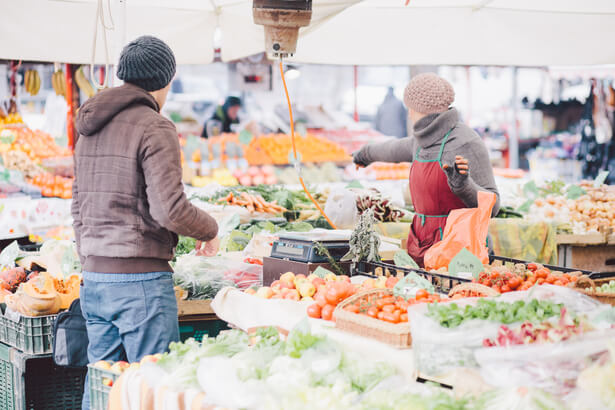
[203, 277]
[553, 367]
[438, 350]
[465, 228]
[341, 208]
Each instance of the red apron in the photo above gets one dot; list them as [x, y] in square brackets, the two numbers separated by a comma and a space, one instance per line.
[433, 200]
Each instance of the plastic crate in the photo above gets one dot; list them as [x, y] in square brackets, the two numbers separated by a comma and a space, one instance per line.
[550, 267]
[35, 383]
[197, 329]
[441, 282]
[99, 387]
[31, 335]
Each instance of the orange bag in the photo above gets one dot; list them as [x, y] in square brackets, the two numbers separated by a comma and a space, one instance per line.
[465, 228]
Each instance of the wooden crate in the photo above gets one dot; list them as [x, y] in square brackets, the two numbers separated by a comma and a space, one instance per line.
[194, 308]
[597, 258]
[595, 238]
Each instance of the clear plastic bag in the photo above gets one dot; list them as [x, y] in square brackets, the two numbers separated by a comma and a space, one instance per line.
[203, 277]
[438, 349]
[341, 208]
[553, 367]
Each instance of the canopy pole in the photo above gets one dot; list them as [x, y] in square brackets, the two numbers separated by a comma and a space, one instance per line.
[70, 117]
[120, 32]
[356, 99]
[513, 134]
[469, 95]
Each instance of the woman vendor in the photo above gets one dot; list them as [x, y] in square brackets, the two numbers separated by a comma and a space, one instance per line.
[450, 162]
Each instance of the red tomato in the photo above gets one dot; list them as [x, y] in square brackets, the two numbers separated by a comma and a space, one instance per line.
[540, 281]
[320, 299]
[551, 279]
[514, 283]
[327, 312]
[532, 267]
[505, 288]
[421, 294]
[390, 317]
[542, 273]
[496, 288]
[314, 311]
[372, 312]
[402, 305]
[388, 308]
[333, 295]
[559, 283]
[380, 315]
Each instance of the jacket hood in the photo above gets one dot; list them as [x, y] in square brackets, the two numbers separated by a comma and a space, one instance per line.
[96, 113]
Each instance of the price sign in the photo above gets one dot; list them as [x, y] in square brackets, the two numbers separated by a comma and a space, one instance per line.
[322, 272]
[465, 264]
[402, 259]
[600, 179]
[245, 137]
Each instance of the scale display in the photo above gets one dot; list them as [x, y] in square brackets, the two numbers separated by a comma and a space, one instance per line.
[302, 250]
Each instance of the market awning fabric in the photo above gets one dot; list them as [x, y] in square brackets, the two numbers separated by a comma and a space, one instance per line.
[367, 32]
[472, 32]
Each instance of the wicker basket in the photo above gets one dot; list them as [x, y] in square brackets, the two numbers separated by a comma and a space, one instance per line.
[395, 334]
[587, 286]
[485, 291]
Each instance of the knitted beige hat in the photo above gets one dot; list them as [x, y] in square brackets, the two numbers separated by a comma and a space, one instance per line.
[429, 93]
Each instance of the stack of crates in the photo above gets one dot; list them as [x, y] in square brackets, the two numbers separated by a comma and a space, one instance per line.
[101, 381]
[29, 379]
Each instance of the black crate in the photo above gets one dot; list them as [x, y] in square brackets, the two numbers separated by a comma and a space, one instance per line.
[33, 382]
[441, 282]
[551, 267]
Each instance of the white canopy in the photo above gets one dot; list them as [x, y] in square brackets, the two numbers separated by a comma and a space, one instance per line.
[63, 30]
[472, 32]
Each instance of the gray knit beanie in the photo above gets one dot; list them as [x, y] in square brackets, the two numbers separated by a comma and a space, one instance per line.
[147, 62]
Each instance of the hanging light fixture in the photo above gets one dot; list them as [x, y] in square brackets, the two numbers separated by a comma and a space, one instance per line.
[282, 20]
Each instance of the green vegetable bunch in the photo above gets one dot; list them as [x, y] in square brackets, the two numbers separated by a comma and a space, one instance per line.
[452, 315]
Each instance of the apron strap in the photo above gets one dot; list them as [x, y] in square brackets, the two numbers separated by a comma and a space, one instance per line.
[444, 141]
[423, 217]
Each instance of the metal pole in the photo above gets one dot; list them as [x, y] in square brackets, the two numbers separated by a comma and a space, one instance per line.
[120, 33]
[513, 135]
[356, 103]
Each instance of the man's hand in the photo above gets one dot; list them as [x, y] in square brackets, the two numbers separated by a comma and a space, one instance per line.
[459, 172]
[209, 248]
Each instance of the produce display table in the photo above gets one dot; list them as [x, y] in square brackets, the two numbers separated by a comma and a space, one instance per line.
[246, 312]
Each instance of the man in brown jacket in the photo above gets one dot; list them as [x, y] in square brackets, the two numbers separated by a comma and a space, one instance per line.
[128, 208]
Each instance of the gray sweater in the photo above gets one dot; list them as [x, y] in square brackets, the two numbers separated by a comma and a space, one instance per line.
[428, 135]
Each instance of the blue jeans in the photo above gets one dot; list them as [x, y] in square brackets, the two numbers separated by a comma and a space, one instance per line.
[128, 316]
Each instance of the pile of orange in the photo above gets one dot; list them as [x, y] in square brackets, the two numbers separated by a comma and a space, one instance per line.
[310, 148]
[37, 144]
[53, 185]
[384, 171]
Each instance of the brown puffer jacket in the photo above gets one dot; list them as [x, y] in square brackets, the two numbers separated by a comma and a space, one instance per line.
[128, 198]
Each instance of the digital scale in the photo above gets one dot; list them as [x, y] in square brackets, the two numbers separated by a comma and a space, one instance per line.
[301, 246]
